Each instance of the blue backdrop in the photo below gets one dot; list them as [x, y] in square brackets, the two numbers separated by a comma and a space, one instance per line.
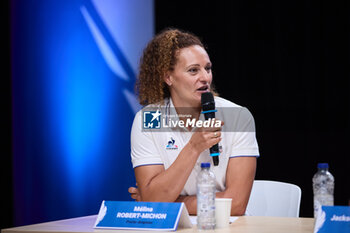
[74, 64]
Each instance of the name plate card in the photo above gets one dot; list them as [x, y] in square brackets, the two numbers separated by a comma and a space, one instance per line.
[126, 215]
[333, 219]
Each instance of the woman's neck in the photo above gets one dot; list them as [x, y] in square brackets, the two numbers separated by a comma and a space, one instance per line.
[188, 111]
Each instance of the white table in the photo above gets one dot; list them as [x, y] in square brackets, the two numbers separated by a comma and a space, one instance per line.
[242, 225]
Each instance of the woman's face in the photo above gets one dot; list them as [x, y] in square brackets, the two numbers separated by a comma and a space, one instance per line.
[191, 77]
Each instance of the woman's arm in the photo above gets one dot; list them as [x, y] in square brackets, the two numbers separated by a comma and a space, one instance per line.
[239, 180]
[157, 184]
[240, 176]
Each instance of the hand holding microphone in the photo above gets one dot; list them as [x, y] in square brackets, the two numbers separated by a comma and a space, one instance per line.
[208, 109]
[208, 138]
[205, 138]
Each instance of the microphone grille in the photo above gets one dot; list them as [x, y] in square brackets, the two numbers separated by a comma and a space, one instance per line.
[207, 97]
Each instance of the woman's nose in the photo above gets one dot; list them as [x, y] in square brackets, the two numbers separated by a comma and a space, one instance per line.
[204, 76]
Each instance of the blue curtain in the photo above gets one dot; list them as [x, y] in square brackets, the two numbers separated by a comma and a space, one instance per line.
[74, 65]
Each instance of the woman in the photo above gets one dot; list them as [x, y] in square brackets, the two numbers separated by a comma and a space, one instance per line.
[175, 70]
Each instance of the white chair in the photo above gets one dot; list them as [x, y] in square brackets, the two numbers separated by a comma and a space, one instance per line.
[273, 198]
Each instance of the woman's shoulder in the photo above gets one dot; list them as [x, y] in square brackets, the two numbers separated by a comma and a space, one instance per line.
[230, 107]
[237, 118]
[221, 102]
[152, 107]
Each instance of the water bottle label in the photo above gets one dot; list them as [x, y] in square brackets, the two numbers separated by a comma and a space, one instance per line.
[205, 186]
[317, 205]
[322, 200]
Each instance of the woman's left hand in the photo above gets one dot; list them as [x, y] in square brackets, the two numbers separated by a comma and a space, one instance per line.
[134, 193]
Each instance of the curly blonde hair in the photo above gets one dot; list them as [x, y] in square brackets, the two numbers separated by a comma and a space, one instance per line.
[158, 58]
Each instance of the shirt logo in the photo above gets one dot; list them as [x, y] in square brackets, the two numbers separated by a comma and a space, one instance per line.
[171, 145]
[151, 119]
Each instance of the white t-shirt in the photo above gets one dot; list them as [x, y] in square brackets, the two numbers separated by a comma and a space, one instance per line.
[162, 145]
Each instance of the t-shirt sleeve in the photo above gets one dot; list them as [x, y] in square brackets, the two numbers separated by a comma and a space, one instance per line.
[143, 146]
[244, 141]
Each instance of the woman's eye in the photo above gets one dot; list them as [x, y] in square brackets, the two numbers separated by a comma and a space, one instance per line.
[208, 68]
[193, 70]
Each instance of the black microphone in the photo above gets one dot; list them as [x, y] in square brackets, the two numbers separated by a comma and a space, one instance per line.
[208, 109]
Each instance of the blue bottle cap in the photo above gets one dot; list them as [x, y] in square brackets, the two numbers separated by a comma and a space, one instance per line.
[322, 165]
[205, 164]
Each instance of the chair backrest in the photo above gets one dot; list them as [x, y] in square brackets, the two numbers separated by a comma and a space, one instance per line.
[273, 198]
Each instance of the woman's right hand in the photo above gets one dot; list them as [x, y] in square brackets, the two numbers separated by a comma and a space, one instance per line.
[205, 137]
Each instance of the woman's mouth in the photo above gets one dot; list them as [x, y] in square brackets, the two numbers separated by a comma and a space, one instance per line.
[204, 88]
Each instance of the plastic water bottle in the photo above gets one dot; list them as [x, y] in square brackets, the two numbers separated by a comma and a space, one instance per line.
[205, 198]
[323, 187]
